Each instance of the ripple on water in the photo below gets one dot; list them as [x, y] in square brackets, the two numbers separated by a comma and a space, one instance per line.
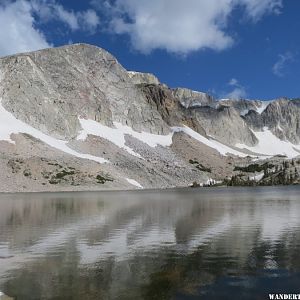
[146, 248]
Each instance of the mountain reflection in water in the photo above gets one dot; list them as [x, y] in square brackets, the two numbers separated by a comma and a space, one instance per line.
[178, 244]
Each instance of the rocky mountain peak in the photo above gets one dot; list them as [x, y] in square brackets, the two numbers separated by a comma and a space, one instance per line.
[72, 81]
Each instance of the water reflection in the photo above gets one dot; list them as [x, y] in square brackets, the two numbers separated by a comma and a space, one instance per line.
[181, 244]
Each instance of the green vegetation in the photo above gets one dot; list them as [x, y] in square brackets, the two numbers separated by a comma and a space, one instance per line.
[193, 162]
[102, 179]
[52, 181]
[27, 173]
[56, 178]
[63, 173]
[254, 168]
[202, 168]
[238, 180]
[199, 166]
[285, 173]
[195, 184]
[54, 164]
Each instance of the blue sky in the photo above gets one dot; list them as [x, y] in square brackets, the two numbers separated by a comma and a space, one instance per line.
[229, 48]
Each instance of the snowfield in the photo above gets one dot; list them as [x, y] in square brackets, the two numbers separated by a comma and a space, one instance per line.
[135, 183]
[257, 177]
[11, 125]
[117, 135]
[221, 148]
[269, 144]
[263, 106]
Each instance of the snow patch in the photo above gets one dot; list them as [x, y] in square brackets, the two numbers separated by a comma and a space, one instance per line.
[9, 124]
[113, 135]
[263, 106]
[210, 181]
[257, 177]
[195, 104]
[132, 73]
[150, 139]
[279, 127]
[269, 144]
[244, 112]
[117, 135]
[221, 148]
[135, 183]
[189, 104]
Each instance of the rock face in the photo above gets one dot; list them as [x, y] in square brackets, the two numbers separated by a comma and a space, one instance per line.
[225, 125]
[245, 106]
[189, 98]
[283, 118]
[52, 90]
[142, 78]
[70, 81]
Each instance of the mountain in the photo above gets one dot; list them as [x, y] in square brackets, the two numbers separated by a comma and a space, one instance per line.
[72, 118]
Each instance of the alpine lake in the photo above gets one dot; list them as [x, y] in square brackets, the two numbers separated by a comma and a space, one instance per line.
[202, 243]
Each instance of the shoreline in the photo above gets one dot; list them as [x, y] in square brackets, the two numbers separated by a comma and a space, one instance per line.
[149, 189]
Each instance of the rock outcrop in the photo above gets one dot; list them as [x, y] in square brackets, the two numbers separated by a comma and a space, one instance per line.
[143, 78]
[189, 98]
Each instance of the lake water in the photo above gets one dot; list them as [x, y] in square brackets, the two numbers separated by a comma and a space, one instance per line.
[223, 243]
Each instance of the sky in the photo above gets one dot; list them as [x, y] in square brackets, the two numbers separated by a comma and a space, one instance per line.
[229, 48]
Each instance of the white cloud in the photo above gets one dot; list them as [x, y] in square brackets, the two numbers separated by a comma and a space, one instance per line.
[177, 26]
[68, 17]
[18, 33]
[283, 60]
[238, 92]
[49, 10]
[174, 25]
[233, 82]
[90, 19]
[18, 23]
[255, 9]
[180, 26]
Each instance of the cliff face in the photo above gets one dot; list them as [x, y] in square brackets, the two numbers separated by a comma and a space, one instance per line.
[70, 81]
[77, 105]
[190, 99]
[281, 116]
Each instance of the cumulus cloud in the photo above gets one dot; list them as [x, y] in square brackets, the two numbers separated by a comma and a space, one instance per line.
[176, 26]
[89, 19]
[180, 26]
[256, 9]
[19, 19]
[238, 91]
[49, 10]
[233, 82]
[18, 33]
[281, 64]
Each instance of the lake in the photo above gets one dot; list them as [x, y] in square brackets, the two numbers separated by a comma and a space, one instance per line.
[207, 243]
